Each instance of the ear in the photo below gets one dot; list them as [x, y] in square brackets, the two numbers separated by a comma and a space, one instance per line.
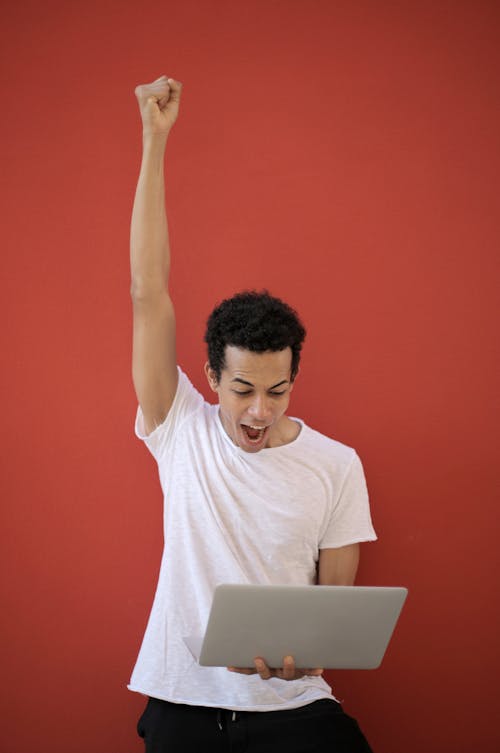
[211, 377]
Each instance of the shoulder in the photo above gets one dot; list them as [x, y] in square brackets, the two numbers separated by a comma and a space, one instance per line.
[326, 447]
[188, 405]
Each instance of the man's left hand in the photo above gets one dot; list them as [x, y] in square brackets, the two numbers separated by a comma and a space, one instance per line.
[287, 672]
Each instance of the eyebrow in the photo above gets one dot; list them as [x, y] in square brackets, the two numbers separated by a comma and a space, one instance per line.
[249, 384]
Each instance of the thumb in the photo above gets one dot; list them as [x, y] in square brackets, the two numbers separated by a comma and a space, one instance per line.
[151, 102]
[152, 105]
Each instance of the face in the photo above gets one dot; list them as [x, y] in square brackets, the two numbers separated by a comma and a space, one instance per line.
[254, 392]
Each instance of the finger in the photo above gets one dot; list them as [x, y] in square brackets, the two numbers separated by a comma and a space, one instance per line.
[288, 668]
[242, 670]
[166, 90]
[164, 100]
[175, 90]
[262, 668]
[156, 90]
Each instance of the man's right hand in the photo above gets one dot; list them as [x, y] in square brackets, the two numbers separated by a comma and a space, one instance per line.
[287, 672]
[159, 105]
[154, 368]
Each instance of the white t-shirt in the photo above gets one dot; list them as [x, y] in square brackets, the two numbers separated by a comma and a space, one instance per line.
[237, 517]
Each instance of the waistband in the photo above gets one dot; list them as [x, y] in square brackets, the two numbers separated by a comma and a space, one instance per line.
[228, 716]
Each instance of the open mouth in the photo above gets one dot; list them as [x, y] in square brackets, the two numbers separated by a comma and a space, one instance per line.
[254, 434]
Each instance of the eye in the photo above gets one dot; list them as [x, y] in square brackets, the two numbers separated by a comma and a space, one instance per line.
[278, 393]
[240, 392]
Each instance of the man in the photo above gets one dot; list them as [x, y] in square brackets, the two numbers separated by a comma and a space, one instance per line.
[251, 496]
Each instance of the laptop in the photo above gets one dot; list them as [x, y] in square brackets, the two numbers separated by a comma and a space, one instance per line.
[329, 627]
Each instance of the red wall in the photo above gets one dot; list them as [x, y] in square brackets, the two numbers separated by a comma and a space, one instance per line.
[345, 155]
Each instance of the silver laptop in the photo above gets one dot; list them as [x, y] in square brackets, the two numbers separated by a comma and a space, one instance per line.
[332, 627]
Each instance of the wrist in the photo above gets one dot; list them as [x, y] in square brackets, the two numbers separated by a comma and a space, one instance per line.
[152, 140]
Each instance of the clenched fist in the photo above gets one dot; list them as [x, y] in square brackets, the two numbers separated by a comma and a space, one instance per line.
[159, 104]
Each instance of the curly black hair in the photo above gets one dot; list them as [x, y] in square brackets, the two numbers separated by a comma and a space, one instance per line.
[256, 321]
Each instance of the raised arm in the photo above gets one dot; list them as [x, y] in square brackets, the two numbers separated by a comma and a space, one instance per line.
[154, 367]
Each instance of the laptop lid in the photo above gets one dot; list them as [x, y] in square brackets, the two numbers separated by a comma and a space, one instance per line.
[330, 627]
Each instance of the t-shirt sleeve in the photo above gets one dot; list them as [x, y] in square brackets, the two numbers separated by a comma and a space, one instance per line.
[350, 519]
[187, 400]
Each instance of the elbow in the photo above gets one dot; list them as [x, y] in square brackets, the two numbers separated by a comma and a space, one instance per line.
[136, 290]
[144, 290]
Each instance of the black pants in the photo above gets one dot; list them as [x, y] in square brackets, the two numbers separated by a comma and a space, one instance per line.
[319, 727]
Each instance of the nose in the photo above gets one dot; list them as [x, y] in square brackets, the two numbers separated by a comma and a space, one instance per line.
[260, 409]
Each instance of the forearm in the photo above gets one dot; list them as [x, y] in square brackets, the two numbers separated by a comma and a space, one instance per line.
[149, 243]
